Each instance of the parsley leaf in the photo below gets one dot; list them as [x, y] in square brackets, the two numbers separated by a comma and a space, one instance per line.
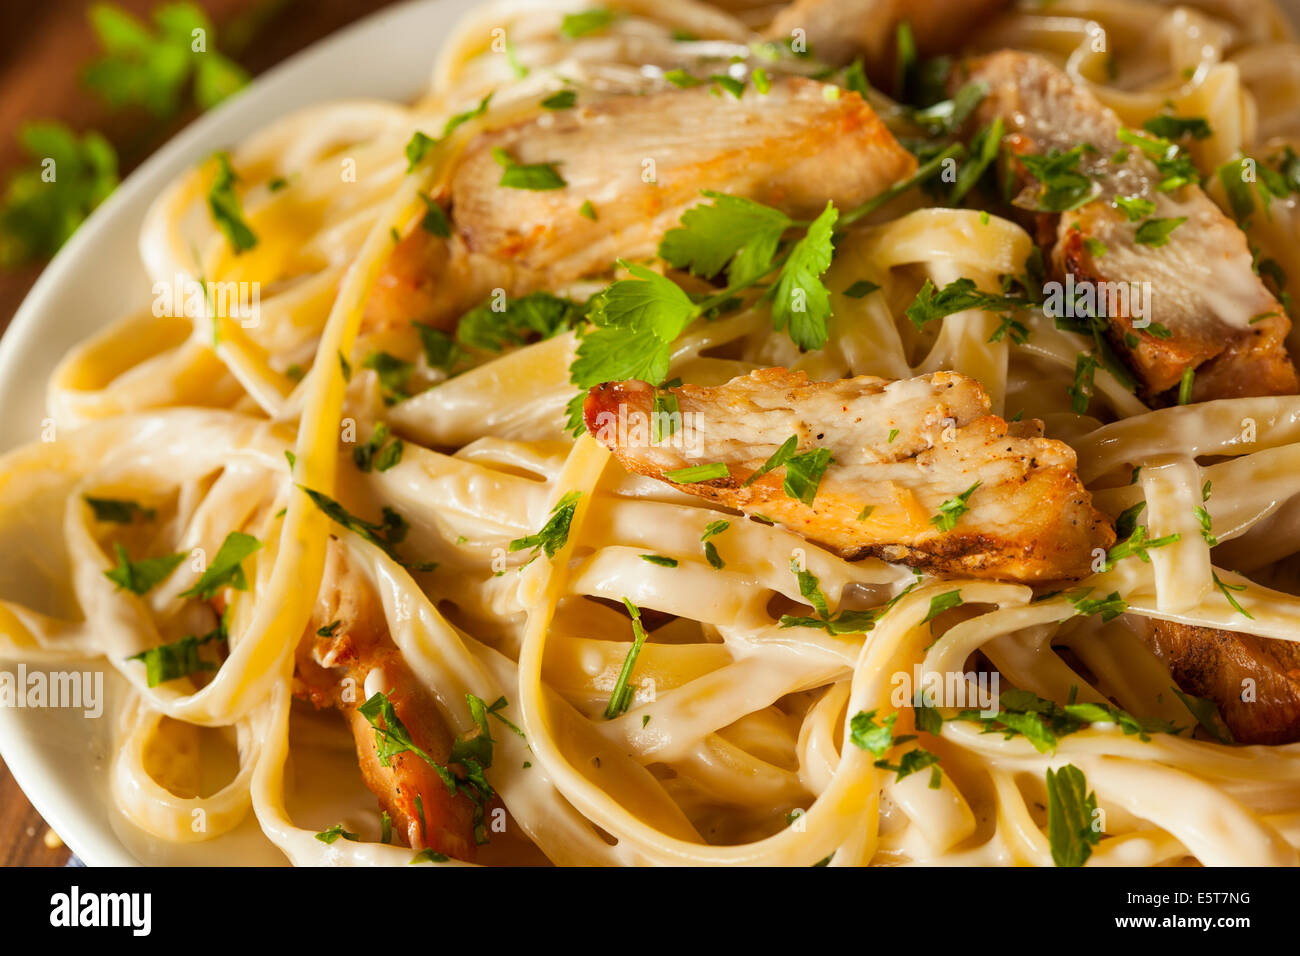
[118, 511]
[732, 230]
[140, 577]
[693, 474]
[1207, 715]
[226, 211]
[560, 100]
[804, 473]
[332, 834]
[392, 737]
[940, 603]
[1175, 127]
[1063, 186]
[777, 459]
[957, 296]
[43, 205]
[810, 589]
[712, 529]
[576, 25]
[874, 737]
[620, 697]
[800, 298]
[226, 568]
[1070, 814]
[143, 68]
[179, 658]
[533, 176]
[555, 533]
[1134, 207]
[1155, 232]
[385, 535]
[524, 319]
[382, 451]
[954, 508]
[1109, 607]
[636, 321]
[420, 143]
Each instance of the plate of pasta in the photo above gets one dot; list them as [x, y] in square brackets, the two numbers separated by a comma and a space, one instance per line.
[840, 432]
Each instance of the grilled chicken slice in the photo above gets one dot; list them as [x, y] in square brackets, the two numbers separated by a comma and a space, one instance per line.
[1223, 322]
[839, 30]
[1217, 664]
[904, 452]
[357, 658]
[640, 161]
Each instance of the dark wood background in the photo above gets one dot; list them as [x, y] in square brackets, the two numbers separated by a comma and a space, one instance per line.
[44, 46]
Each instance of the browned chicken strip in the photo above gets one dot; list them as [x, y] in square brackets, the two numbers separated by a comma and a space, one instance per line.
[1220, 318]
[1223, 665]
[640, 162]
[839, 30]
[905, 456]
[346, 654]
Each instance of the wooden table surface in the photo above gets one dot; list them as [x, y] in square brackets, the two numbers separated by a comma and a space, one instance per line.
[43, 48]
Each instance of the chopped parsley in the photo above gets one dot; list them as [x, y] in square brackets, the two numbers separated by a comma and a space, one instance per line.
[226, 569]
[1064, 187]
[694, 474]
[621, 696]
[332, 834]
[140, 577]
[393, 374]
[1175, 127]
[780, 457]
[1155, 232]
[118, 510]
[523, 319]
[1071, 811]
[576, 25]
[957, 296]
[440, 350]
[560, 100]
[661, 560]
[1134, 207]
[382, 451]
[533, 176]
[1185, 386]
[860, 289]
[1109, 607]
[1227, 590]
[225, 208]
[179, 658]
[434, 221]
[1207, 715]
[953, 509]
[712, 529]
[804, 473]
[385, 535]
[940, 603]
[555, 533]
[420, 143]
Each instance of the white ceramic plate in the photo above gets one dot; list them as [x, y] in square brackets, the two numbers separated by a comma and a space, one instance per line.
[97, 278]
